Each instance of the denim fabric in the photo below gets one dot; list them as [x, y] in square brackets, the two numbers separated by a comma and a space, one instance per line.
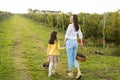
[71, 48]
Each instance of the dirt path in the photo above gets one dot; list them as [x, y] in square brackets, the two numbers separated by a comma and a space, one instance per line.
[23, 35]
[19, 54]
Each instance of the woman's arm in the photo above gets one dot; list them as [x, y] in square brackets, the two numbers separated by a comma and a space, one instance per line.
[81, 43]
[80, 37]
[65, 42]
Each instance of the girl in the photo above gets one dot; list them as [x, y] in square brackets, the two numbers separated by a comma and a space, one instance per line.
[53, 52]
[72, 44]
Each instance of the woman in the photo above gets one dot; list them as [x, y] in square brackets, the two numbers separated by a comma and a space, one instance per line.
[72, 44]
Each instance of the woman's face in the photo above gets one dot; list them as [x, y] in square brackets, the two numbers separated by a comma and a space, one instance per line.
[71, 19]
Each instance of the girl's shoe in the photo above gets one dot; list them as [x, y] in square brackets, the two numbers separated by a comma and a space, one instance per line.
[49, 75]
[70, 74]
[53, 71]
[79, 75]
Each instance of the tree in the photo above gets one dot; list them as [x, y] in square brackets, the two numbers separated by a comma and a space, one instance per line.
[30, 10]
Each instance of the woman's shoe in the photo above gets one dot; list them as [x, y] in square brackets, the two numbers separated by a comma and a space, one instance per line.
[79, 75]
[70, 74]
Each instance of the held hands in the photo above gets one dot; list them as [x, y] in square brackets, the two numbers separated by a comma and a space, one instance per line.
[64, 45]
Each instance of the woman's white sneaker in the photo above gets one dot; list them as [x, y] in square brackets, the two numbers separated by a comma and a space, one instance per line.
[79, 75]
[70, 74]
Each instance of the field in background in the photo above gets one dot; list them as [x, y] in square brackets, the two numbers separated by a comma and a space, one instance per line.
[23, 45]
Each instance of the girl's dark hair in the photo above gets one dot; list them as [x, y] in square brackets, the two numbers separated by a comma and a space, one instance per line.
[53, 37]
[75, 21]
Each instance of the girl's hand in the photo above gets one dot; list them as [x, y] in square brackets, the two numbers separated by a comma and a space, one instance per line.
[63, 47]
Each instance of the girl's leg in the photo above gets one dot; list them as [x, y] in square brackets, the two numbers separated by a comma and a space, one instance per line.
[50, 68]
[54, 65]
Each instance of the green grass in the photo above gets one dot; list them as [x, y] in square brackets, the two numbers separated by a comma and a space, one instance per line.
[29, 39]
[6, 45]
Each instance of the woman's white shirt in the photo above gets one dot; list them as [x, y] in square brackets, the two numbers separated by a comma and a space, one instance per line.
[71, 33]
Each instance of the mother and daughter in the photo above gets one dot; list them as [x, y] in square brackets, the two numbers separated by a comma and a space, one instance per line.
[71, 46]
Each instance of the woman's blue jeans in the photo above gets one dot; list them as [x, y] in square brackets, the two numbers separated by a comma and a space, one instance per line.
[71, 48]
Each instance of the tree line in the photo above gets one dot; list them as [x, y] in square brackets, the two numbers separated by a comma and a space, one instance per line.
[91, 24]
[4, 15]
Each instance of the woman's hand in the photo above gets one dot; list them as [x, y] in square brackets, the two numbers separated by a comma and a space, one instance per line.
[64, 45]
[81, 45]
[65, 42]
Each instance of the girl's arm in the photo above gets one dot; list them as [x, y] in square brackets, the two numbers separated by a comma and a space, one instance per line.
[58, 45]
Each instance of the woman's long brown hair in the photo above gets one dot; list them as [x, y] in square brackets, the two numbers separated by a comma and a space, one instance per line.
[75, 21]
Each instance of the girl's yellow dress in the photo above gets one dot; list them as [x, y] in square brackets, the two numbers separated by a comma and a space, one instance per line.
[53, 51]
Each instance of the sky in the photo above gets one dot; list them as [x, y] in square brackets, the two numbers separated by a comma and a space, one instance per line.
[74, 6]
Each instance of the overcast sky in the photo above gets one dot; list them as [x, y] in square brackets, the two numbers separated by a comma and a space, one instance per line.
[75, 6]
